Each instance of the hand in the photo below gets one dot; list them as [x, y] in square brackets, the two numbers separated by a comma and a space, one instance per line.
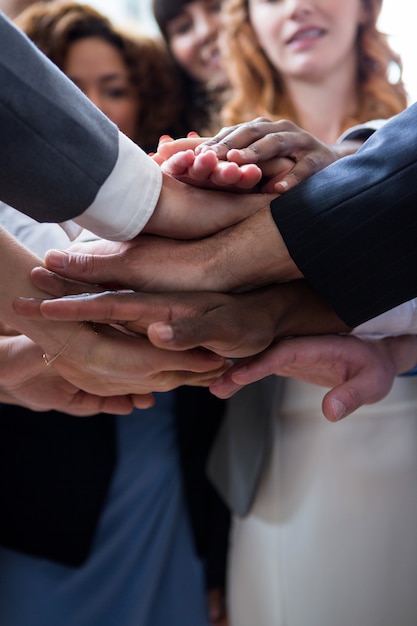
[207, 171]
[233, 325]
[178, 159]
[114, 363]
[358, 371]
[245, 256]
[187, 212]
[25, 381]
[285, 153]
[109, 363]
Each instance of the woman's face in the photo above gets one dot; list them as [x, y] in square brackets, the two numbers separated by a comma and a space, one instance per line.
[98, 69]
[307, 39]
[193, 40]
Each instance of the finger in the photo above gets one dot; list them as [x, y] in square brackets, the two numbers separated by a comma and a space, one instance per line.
[226, 174]
[251, 175]
[192, 170]
[237, 178]
[81, 307]
[179, 163]
[242, 373]
[215, 143]
[204, 164]
[358, 390]
[28, 307]
[94, 268]
[210, 332]
[167, 149]
[301, 170]
[85, 404]
[56, 285]
[224, 388]
[142, 401]
[342, 401]
[243, 135]
[269, 147]
[170, 379]
[113, 307]
[177, 336]
[157, 158]
[165, 139]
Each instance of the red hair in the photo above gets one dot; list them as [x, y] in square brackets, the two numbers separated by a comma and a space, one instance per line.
[257, 89]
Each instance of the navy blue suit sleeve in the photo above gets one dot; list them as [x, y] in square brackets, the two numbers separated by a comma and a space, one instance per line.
[351, 229]
[57, 148]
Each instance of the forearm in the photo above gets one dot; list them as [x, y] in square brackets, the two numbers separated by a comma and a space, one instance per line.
[20, 361]
[62, 158]
[17, 262]
[351, 228]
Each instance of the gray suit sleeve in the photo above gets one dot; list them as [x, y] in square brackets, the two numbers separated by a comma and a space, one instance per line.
[351, 228]
[57, 149]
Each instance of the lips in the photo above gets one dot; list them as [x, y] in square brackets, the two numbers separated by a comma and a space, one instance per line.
[306, 33]
[211, 56]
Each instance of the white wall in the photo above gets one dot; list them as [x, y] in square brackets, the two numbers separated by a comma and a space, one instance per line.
[398, 19]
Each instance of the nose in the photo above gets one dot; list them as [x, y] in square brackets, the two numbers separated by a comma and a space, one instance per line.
[299, 9]
[205, 27]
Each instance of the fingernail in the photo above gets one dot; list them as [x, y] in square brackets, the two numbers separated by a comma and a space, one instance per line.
[165, 138]
[281, 185]
[207, 147]
[164, 331]
[151, 154]
[58, 259]
[339, 409]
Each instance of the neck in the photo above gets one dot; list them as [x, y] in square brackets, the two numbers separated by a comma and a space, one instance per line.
[322, 106]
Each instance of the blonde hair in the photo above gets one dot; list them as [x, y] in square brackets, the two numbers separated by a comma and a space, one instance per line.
[54, 26]
[257, 89]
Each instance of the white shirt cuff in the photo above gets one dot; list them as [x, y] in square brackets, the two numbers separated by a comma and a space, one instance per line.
[127, 199]
[402, 320]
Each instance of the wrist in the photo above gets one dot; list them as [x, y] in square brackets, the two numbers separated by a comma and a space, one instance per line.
[412, 372]
[403, 349]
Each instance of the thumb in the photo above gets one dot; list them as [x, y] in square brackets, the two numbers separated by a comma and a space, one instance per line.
[343, 400]
[85, 267]
[179, 335]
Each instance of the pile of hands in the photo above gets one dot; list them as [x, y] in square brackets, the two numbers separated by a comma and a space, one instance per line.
[207, 294]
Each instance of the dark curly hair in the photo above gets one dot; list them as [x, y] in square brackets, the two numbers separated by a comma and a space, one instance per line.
[54, 26]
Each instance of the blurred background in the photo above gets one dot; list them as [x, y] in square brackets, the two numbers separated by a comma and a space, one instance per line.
[393, 21]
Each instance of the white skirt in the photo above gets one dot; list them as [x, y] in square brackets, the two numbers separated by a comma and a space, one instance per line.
[332, 537]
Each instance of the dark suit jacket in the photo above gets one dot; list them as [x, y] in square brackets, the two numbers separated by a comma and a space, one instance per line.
[57, 149]
[351, 228]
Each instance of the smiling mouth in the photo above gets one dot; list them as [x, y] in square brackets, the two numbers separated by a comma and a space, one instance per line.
[310, 33]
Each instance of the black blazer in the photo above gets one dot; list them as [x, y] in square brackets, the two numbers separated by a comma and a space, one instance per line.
[55, 471]
[351, 228]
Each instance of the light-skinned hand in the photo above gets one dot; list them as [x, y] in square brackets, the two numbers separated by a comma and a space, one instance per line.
[357, 371]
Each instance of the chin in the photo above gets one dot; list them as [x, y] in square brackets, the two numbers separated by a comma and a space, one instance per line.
[218, 81]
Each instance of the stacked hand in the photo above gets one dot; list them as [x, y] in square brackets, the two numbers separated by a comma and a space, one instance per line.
[226, 268]
[26, 382]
